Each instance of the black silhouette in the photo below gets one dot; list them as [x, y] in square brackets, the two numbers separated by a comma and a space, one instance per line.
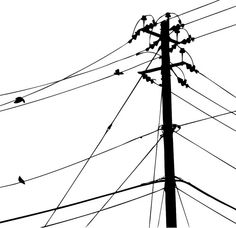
[19, 100]
[20, 179]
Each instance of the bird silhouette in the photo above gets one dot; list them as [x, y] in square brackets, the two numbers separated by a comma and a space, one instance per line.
[20, 179]
[18, 100]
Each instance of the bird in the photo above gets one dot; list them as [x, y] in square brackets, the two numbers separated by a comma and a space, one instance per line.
[118, 72]
[19, 99]
[20, 179]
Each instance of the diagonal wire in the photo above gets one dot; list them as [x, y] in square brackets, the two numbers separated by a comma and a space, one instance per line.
[206, 194]
[75, 75]
[124, 181]
[197, 8]
[207, 206]
[75, 88]
[139, 163]
[70, 75]
[107, 130]
[197, 145]
[78, 162]
[210, 15]
[162, 199]
[182, 205]
[201, 94]
[160, 180]
[218, 30]
[209, 99]
[217, 84]
[208, 118]
[104, 209]
[155, 162]
[224, 124]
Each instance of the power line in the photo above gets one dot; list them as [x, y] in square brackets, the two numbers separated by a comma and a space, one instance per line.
[210, 117]
[181, 202]
[95, 149]
[207, 118]
[159, 217]
[210, 15]
[209, 99]
[206, 194]
[75, 75]
[70, 75]
[80, 161]
[155, 162]
[124, 181]
[217, 84]
[104, 209]
[207, 206]
[204, 112]
[80, 202]
[75, 88]
[197, 145]
[178, 15]
[218, 30]
[197, 8]
[201, 94]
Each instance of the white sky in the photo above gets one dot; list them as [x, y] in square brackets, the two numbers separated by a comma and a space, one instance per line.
[43, 41]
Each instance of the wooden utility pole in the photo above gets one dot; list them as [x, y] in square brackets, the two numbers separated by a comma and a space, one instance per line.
[168, 128]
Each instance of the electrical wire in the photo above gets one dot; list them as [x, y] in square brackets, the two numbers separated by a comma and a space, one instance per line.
[197, 8]
[80, 202]
[80, 161]
[105, 56]
[217, 84]
[70, 75]
[182, 205]
[75, 88]
[104, 209]
[95, 149]
[136, 167]
[218, 30]
[162, 199]
[212, 117]
[206, 194]
[209, 99]
[155, 162]
[111, 125]
[207, 206]
[207, 118]
[75, 75]
[199, 19]
[186, 12]
[197, 145]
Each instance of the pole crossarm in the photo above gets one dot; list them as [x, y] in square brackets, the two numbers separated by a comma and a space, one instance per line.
[158, 35]
[159, 68]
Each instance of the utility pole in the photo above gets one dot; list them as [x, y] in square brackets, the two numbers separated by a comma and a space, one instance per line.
[168, 127]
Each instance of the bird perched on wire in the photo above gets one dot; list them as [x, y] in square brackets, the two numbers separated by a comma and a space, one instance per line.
[19, 100]
[20, 179]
